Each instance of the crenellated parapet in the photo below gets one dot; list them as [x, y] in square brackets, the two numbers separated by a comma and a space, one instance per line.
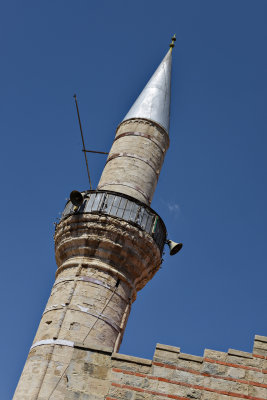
[96, 372]
[176, 375]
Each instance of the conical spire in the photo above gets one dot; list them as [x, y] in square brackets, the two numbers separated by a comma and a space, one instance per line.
[154, 101]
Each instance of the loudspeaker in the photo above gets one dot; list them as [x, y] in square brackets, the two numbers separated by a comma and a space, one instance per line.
[76, 198]
[174, 247]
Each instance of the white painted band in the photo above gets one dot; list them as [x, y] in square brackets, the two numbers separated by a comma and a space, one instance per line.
[61, 342]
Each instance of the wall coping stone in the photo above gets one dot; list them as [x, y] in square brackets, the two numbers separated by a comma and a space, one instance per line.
[131, 359]
[238, 353]
[166, 347]
[94, 347]
[259, 338]
[189, 357]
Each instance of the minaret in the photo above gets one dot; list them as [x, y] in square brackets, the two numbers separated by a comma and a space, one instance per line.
[108, 245]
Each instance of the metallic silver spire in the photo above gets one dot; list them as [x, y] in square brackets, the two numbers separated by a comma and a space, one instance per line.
[154, 101]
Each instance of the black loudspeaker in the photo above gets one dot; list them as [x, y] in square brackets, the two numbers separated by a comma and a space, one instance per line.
[76, 198]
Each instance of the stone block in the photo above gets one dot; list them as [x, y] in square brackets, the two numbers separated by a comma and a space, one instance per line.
[215, 355]
[166, 347]
[131, 359]
[189, 357]
[261, 338]
[238, 353]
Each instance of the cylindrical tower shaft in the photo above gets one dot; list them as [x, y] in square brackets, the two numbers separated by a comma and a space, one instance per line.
[102, 262]
[135, 159]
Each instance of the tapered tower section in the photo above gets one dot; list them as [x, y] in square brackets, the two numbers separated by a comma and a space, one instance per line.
[142, 139]
[107, 246]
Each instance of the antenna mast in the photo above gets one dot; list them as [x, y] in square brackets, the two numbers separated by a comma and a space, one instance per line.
[84, 151]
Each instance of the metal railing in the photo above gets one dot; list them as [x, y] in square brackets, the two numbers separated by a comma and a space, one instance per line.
[124, 207]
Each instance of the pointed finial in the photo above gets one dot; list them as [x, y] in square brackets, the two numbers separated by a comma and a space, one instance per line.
[173, 40]
[153, 103]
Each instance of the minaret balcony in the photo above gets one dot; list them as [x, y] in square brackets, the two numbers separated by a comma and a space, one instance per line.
[123, 207]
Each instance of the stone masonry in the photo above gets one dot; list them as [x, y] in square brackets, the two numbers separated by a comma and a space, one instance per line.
[97, 373]
[102, 263]
[175, 375]
[135, 159]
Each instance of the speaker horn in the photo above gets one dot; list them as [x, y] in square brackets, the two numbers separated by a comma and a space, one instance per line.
[174, 247]
[76, 198]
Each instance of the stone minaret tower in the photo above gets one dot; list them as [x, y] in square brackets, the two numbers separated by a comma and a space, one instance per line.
[108, 246]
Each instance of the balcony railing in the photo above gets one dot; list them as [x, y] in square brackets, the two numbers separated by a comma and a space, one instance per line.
[124, 207]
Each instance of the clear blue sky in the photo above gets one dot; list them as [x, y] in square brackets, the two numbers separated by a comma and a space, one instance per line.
[212, 190]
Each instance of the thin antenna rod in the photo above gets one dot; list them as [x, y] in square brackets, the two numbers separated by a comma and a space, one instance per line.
[84, 151]
[97, 152]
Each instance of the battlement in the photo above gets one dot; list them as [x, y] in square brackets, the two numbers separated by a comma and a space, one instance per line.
[94, 372]
[176, 375]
